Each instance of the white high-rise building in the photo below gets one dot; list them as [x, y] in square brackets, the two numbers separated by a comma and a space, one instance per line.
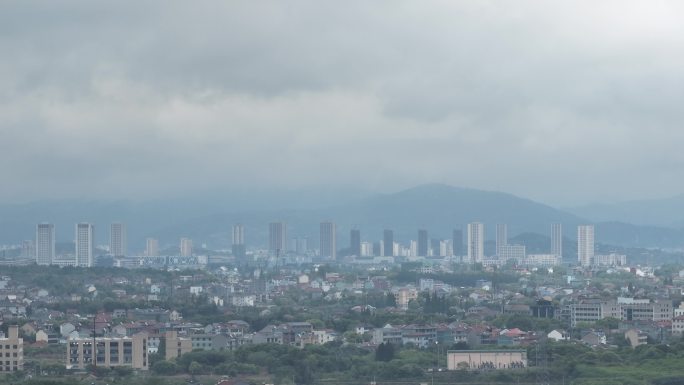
[85, 245]
[501, 237]
[475, 242]
[186, 247]
[45, 243]
[557, 239]
[152, 247]
[585, 245]
[117, 240]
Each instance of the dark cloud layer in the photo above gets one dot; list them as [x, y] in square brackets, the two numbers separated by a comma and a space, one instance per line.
[561, 101]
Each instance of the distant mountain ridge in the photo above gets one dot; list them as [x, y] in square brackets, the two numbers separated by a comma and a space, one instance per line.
[667, 212]
[435, 207]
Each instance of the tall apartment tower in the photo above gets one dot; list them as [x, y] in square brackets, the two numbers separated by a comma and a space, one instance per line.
[422, 246]
[186, 247]
[328, 240]
[239, 249]
[585, 245]
[152, 247]
[388, 243]
[85, 244]
[501, 237]
[118, 245]
[457, 242]
[475, 242]
[355, 242]
[45, 243]
[277, 237]
[557, 239]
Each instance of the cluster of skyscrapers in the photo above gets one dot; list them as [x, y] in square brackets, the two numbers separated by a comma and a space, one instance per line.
[474, 252]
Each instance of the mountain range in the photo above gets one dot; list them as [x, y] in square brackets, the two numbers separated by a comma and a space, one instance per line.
[434, 207]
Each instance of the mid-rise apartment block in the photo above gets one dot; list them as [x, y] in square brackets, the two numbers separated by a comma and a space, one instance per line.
[12, 351]
[108, 352]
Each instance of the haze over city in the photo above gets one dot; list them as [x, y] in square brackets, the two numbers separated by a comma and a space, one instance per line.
[304, 192]
[145, 100]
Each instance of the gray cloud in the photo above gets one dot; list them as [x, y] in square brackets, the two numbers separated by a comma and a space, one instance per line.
[563, 102]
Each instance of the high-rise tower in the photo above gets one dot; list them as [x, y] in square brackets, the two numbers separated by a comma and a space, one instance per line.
[422, 247]
[475, 242]
[277, 237]
[117, 240]
[355, 242]
[557, 239]
[585, 245]
[85, 244]
[45, 243]
[239, 248]
[328, 240]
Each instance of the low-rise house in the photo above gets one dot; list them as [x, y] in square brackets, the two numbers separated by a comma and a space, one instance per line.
[636, 337]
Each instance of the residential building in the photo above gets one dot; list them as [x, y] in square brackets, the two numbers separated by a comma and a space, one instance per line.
[501, 238]
[176, 346]
[108, 352]
[277, 237]
[543, 260]
[118, 246]
[511, 253]
[611, 259]
[422, 245]
[186, 247]
[238, 248]
[152, 247]
[486, 359]
[475, 242]
[12, 351]
[28, 249]
[355, 242]
[557, 239]
[585, 245]
[457, 242]
[45, 243]
[328, 240]
[388, 243]
[85, 245]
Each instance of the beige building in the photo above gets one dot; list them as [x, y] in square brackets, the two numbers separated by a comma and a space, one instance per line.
[176, 346]
[486, 359]
[12, 351]
[109, 352]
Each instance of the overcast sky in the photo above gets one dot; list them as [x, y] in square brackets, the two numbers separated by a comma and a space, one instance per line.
[565, 102]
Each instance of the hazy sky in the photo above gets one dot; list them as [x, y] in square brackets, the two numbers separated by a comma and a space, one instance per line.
[565, 102]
